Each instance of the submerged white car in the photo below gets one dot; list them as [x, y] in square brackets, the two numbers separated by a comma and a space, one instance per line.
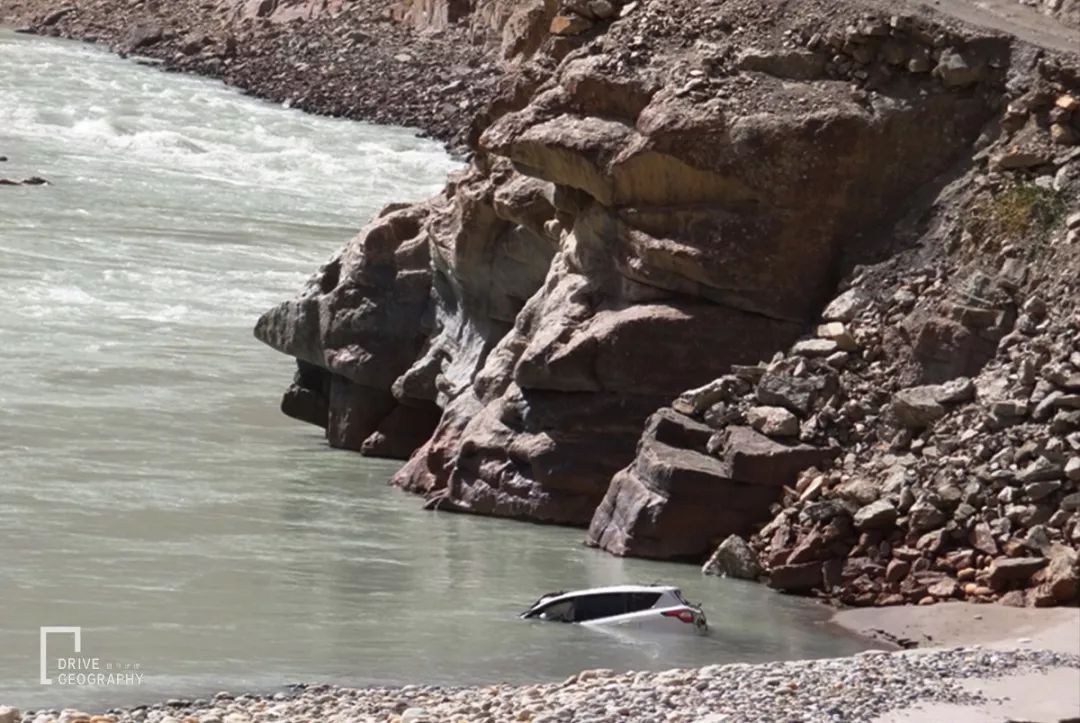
[653, 607]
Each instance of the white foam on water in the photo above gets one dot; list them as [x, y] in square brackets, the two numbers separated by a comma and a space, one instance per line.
[67, 295]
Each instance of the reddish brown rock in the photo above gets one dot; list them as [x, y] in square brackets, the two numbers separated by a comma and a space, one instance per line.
[626, 231]
[569, 24]
[1059, 582]
[402, 431]
[897, 570]
[812, 546]
[672, 502]
[796, 578]
[1005, 571]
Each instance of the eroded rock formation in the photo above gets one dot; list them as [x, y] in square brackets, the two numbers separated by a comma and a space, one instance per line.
[612, 225]
[652, 207]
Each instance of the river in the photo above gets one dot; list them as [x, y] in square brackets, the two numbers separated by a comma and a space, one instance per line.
[151, 492]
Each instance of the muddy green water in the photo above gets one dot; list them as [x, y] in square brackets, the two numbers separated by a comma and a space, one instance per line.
[151, 492]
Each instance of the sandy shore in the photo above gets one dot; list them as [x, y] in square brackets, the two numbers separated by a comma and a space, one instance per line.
[958, 623]
[1049, 695]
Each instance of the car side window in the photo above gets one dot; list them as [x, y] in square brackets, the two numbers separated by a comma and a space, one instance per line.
[642, 601]
[591, 607]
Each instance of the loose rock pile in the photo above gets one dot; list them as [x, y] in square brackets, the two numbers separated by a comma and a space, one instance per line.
[950, 392]
[877, 50]
[966, 488]
[845, 689]
[578, 16]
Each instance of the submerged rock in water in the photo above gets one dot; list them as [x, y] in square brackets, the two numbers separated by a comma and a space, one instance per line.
[733, 558]
[32, 181]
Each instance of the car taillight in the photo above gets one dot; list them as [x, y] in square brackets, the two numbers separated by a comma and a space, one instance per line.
[686, 616]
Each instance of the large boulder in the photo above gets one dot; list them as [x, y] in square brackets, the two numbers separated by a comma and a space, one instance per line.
[733, 558]
[356, 326]
[757, 460]
[797, 578]
[673, 502]
[1005, 571]
[881, 514]
[1059, 582]
[918, 407]
[773, 421]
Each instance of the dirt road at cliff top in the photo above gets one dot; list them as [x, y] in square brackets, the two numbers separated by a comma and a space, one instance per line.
[1008, 16]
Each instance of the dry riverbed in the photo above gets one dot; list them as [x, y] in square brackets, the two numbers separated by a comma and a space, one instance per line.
[999, 662]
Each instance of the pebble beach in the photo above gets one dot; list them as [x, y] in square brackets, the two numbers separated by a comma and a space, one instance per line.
[976, 663]
[856, 688]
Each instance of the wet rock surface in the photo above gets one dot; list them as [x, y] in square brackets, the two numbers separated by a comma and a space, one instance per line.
[31, 181]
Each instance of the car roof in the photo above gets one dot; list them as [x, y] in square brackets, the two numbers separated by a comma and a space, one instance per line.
[605, 590]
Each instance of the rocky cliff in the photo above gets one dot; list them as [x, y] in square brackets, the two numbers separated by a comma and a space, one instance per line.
[670, 196]
[798, 280]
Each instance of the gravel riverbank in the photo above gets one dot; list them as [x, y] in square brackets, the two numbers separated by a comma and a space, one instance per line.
[858, 688]
[356, 62]
[995, 664]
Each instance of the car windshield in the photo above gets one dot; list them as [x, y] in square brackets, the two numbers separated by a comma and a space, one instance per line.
[540, 600]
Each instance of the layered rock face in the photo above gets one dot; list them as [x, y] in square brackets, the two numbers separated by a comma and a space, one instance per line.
[652, 207]
[633, 222]
[432, 14]
[354, 329]
[688, 241]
